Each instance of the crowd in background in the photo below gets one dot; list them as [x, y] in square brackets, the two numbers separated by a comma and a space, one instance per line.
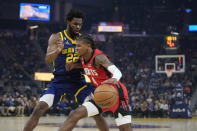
[150, 94]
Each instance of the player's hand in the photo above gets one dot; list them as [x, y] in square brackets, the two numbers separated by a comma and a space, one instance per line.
[60, 45]
[111, 80]
[69, 66]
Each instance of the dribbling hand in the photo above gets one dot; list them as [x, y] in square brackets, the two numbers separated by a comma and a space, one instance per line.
[111, 80]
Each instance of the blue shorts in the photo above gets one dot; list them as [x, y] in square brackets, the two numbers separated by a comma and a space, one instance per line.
[61, 87]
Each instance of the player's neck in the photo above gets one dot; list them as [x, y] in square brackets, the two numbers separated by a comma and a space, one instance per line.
[88, 55]
[70, 34]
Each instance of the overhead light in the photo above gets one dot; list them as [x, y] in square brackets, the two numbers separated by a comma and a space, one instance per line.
[174, 33]
[33, 27]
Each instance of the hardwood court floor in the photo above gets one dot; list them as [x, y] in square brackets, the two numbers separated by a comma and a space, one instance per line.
[52, 123]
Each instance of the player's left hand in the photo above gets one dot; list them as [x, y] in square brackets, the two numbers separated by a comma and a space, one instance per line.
[69, 66]
[111, 80]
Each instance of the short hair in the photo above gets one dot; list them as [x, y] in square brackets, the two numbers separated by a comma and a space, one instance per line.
[87, 39]
[74, 14]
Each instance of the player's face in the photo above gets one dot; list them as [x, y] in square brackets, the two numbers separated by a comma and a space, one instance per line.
[75, 25]
[81, 48]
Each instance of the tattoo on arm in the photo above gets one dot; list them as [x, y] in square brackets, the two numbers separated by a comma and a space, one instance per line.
[102, 60]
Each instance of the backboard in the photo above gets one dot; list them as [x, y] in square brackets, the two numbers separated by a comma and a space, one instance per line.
[170, 64]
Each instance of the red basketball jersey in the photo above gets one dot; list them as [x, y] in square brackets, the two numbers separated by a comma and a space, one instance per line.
[98, 75]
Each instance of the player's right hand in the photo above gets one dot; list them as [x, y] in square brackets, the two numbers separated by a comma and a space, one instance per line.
[111, 80]
[60, 45]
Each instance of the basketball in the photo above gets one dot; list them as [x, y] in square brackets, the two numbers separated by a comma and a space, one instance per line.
[105, 96]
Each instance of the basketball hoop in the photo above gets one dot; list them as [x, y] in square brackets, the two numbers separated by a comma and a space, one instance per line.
[169, 72]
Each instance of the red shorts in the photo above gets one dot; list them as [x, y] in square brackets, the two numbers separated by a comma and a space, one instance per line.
[122, 96]
[121, 109]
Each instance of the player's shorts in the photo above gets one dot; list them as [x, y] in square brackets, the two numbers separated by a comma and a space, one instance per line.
[121, 110]
[58, 88]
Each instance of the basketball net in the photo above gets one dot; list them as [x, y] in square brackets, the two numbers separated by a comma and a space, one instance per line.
[169, 72]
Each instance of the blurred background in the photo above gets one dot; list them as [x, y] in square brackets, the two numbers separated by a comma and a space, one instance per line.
[153, 42]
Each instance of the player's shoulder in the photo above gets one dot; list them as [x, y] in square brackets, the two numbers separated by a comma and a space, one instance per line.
[55, 36]
[100, 58]
[98, 53]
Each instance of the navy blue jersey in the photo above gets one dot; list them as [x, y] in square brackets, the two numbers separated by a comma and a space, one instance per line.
[67, 55]
[70, 83]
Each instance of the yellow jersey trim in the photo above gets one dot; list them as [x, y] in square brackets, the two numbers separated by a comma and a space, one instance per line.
[79, 91]
[53, 65]
[62, 97]
[73, 41]
[61, 35]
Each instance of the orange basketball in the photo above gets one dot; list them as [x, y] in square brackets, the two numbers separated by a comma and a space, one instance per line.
[105, 96]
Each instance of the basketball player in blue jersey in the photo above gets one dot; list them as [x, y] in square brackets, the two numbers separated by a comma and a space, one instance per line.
[61, 52]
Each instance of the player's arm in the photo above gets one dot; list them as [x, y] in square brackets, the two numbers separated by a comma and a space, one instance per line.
[55, 46]
[102, 60]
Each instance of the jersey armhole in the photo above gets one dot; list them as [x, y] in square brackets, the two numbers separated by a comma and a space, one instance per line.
[61, 35]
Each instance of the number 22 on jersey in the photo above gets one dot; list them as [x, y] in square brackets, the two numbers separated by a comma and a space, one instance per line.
[72, 58]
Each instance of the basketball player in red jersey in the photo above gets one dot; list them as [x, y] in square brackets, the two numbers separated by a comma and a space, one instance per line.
[100, 70]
